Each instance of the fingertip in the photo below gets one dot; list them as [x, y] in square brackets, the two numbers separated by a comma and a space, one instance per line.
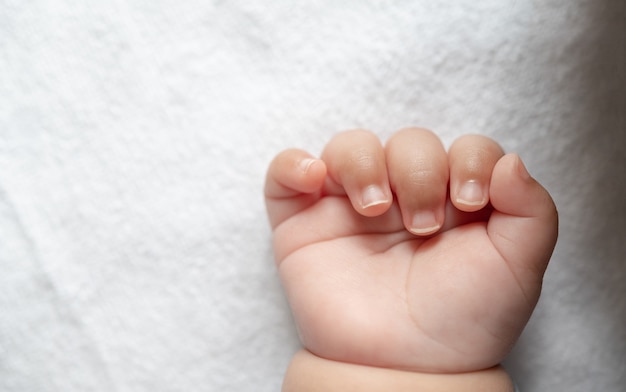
[293, 172]
[522, 171]
[425, 222]
[294, 181]
[515, 192]
[472, 159]
[375, 200]
[314, 173]
[471, 195]
[357, 168]
[306, 163]
[509, 173]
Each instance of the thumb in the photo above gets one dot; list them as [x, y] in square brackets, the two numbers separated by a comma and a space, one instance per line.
[524, 224]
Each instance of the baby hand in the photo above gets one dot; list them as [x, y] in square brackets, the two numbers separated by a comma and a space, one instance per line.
[407, 256]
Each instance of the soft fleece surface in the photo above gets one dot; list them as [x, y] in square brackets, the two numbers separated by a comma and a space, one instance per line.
[134, 137]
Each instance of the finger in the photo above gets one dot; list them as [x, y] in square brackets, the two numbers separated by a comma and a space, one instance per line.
[418, 173]
[472, 159]
[524, 223]
[293, 182]
[356, 162]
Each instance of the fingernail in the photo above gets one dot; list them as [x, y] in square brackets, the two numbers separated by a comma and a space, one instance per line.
[471, 193]
[521, 169]
[373, 195]
[424, 222]
[306, 164]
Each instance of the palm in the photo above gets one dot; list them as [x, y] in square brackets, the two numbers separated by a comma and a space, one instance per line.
[395, 294]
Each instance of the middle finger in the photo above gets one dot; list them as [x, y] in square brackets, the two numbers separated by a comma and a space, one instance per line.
[417, 164]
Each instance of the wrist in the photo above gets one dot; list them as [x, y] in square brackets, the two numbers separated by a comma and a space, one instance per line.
[310, 373]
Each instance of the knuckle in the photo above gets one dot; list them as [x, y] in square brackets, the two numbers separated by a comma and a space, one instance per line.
[362, 158]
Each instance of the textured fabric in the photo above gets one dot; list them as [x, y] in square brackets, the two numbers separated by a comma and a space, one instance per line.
[134, 137]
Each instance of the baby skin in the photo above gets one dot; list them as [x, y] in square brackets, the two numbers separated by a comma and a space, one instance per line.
[407, 267]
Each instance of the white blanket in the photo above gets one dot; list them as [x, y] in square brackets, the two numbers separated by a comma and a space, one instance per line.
[134, 136]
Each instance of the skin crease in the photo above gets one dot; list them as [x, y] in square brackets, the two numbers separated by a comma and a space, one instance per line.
[367, 287]
[308, 373]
